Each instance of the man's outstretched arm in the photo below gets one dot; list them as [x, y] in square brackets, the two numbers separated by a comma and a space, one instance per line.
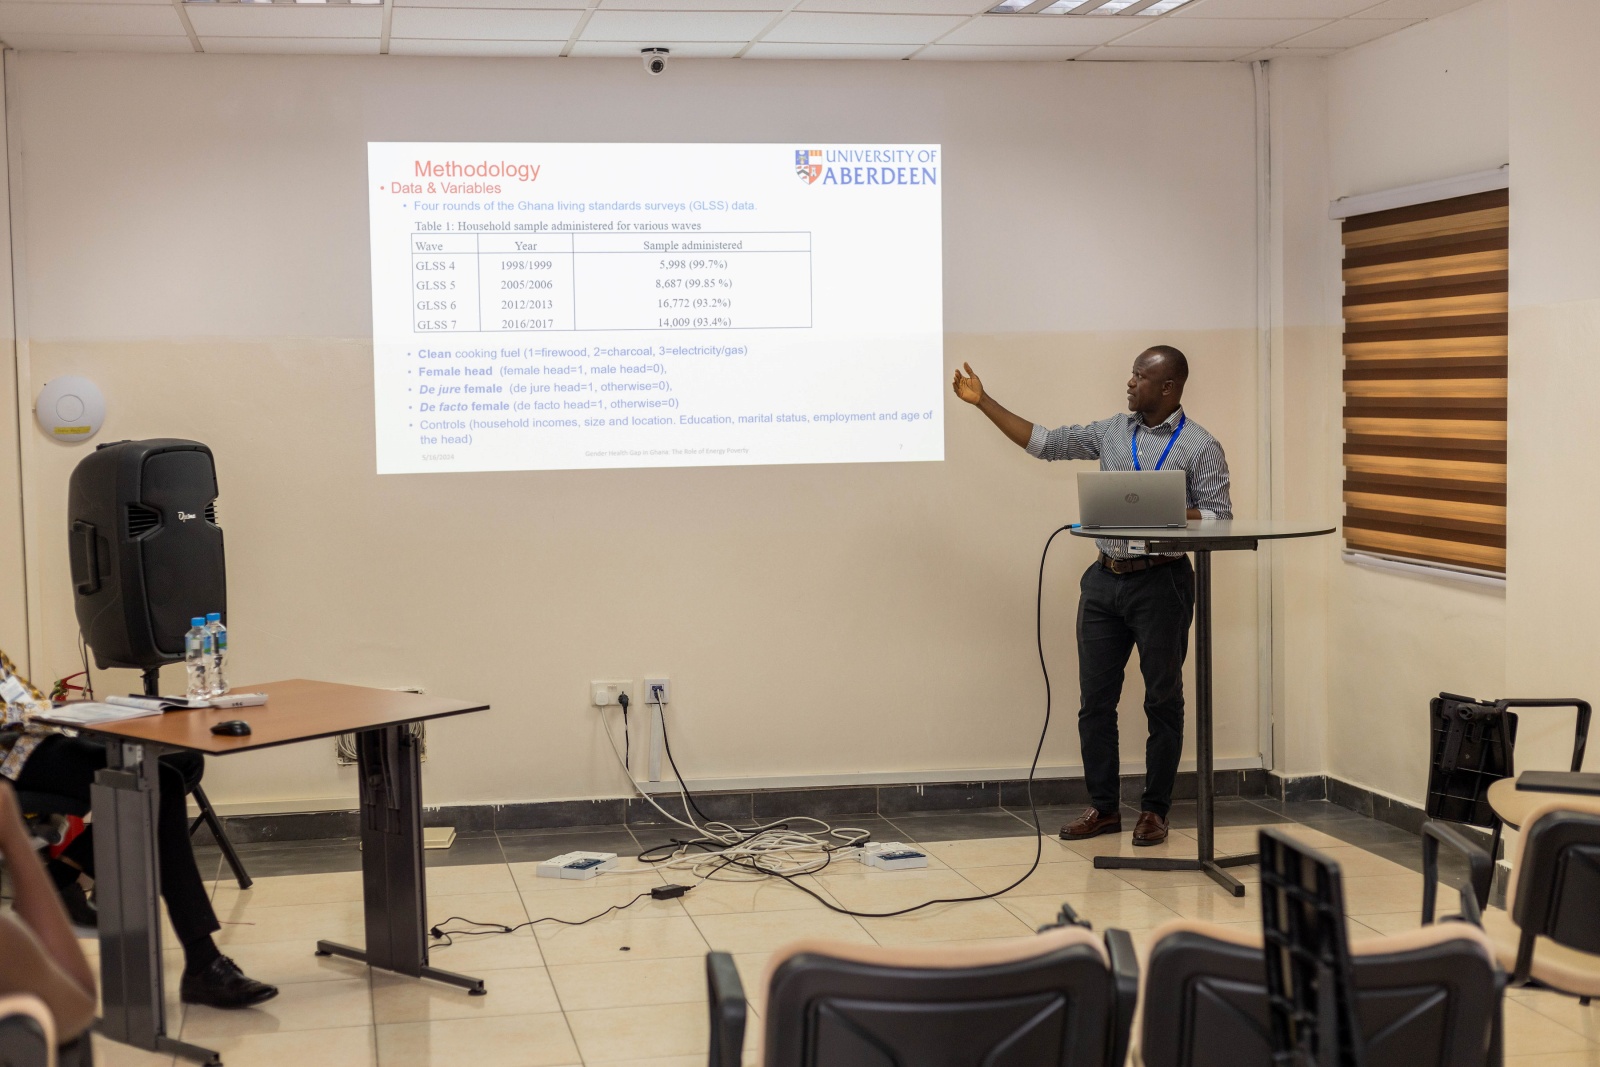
[969, 388]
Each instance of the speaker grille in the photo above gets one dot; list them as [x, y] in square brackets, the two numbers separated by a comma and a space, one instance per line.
[211, 513]
[141, 520]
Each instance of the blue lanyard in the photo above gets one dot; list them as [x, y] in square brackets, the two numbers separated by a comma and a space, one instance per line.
[1182, 419]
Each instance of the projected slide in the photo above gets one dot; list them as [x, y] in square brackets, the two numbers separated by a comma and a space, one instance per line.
[562, 306]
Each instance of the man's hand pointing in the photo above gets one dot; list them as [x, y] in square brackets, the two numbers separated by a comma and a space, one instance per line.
[967, 386]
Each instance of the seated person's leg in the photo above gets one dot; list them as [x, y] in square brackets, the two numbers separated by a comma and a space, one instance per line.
[191, 765]
[66, 767]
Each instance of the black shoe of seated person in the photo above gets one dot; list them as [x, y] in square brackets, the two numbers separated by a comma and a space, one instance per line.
[79, 909]
[221, 984]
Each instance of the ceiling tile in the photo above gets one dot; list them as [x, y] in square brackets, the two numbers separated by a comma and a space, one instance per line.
[1218, 33]
[675, 25]
[1291, 53]
[1260, 9]
[770, 6]
[783, 50]
[477, 24]
[1162, 55]
[811, 26]
[900, 7]
[1003, 53]
[95, 42]
[1040, 30]
[1415, 9]
[1347, 33]
[285, 21]
[402, 46]
[563, 5]
[586, 49]
[321, 46]
[89, 18]
[168, 3]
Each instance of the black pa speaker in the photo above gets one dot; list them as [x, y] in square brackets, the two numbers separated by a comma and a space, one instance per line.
[146, 548]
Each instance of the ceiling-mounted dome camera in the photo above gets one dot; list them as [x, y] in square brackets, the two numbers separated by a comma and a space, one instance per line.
[655, 59]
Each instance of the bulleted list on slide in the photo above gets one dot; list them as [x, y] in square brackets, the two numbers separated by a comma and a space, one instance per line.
[570, 306]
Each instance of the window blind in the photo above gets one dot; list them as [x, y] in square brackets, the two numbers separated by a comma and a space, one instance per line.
[1425, 326]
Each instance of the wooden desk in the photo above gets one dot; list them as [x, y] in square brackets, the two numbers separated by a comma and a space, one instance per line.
[127, 883]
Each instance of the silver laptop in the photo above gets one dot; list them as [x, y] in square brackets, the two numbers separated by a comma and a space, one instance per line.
[1111, 500]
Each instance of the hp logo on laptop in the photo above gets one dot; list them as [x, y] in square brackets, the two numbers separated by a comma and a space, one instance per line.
[1132, 498]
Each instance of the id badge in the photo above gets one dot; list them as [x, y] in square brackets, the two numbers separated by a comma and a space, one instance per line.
[12, 689]
[1137, 548]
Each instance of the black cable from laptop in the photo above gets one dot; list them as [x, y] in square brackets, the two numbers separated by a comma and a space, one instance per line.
[1033, 809]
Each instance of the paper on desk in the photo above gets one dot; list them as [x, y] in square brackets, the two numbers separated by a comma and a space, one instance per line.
[93, 713]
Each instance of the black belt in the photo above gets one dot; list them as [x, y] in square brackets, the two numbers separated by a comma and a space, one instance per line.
[1137, 563]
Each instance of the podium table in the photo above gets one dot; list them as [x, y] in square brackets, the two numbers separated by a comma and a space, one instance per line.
[1202, 537]
[128, 886]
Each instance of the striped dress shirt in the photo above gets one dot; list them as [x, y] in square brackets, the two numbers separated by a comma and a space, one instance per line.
[1110, 441]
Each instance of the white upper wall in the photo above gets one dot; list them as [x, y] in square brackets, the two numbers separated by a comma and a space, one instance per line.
[1425, 103]
[225, 196]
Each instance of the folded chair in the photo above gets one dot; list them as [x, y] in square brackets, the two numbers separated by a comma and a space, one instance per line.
[1550, 930]
[1063, 998]
[1427, 998]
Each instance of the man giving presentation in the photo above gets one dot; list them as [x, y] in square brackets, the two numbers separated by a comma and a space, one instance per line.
[1127, 599]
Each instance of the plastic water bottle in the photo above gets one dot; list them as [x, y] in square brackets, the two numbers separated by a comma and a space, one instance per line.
[197, 658]
[218, 677]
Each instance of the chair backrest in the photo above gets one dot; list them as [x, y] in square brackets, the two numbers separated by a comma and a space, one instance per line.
[1426, 998]
[1555, 879]
[1044, 1001]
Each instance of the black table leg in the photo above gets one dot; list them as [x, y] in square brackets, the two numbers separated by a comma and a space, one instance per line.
[393, 887]
[1206, 860]
[128, 892]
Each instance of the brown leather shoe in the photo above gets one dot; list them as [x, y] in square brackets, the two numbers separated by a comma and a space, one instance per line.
[1151, 829]
[1092, 824]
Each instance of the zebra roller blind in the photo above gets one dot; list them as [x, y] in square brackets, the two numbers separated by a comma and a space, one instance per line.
[1425, 381]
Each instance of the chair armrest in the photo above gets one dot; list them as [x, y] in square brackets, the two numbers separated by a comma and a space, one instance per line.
[1480, 867]
[1580, 735]
[728, 1010]
[27, 1032]
[1125, 986]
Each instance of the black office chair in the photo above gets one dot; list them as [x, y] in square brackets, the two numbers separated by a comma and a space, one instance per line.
[1427, 998]
[1549, 933]
[1061, 999]
[1472, 777]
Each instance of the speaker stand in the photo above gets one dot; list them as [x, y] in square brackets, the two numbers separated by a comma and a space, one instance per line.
[208, 814]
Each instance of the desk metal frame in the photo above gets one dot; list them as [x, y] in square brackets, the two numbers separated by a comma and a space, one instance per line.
[124, 798]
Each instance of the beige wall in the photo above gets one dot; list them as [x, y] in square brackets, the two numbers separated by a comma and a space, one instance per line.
[1427, 103]
[206, 262]
[1552, 612]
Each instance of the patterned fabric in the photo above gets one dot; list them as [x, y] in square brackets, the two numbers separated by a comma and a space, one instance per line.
[17, 721]
[1110, 441]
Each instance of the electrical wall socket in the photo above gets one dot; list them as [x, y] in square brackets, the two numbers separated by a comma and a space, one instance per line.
[604, 694]
[650, 690]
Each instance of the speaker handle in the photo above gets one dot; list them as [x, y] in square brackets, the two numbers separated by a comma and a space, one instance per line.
[85, 558]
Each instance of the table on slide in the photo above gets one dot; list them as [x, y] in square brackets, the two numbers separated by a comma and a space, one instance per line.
[505, 281]
[127, 883]
[1202, 537]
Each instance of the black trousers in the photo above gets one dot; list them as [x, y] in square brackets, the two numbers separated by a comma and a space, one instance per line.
[66, 766]
[1151, 611]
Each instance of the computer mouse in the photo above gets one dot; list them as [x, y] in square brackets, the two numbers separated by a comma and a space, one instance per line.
[233, 728]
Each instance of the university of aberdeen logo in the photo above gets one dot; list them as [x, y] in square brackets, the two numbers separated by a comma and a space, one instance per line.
[808, 164]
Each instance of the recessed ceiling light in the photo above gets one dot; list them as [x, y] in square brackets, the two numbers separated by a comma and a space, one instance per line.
[1086, 7]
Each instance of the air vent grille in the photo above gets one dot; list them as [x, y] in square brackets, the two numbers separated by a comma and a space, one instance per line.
[141, 520]
[211, 513]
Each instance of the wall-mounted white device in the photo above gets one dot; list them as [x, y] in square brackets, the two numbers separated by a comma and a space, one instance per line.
[70, 409]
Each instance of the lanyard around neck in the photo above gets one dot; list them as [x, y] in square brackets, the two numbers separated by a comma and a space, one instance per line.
[1182, 419]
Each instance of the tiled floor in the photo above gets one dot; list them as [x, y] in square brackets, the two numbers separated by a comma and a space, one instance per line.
[628, 988]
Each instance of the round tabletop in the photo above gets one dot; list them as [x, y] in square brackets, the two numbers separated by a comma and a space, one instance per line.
[1213, 532]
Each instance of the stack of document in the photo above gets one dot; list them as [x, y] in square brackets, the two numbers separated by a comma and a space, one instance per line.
[93, 713]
